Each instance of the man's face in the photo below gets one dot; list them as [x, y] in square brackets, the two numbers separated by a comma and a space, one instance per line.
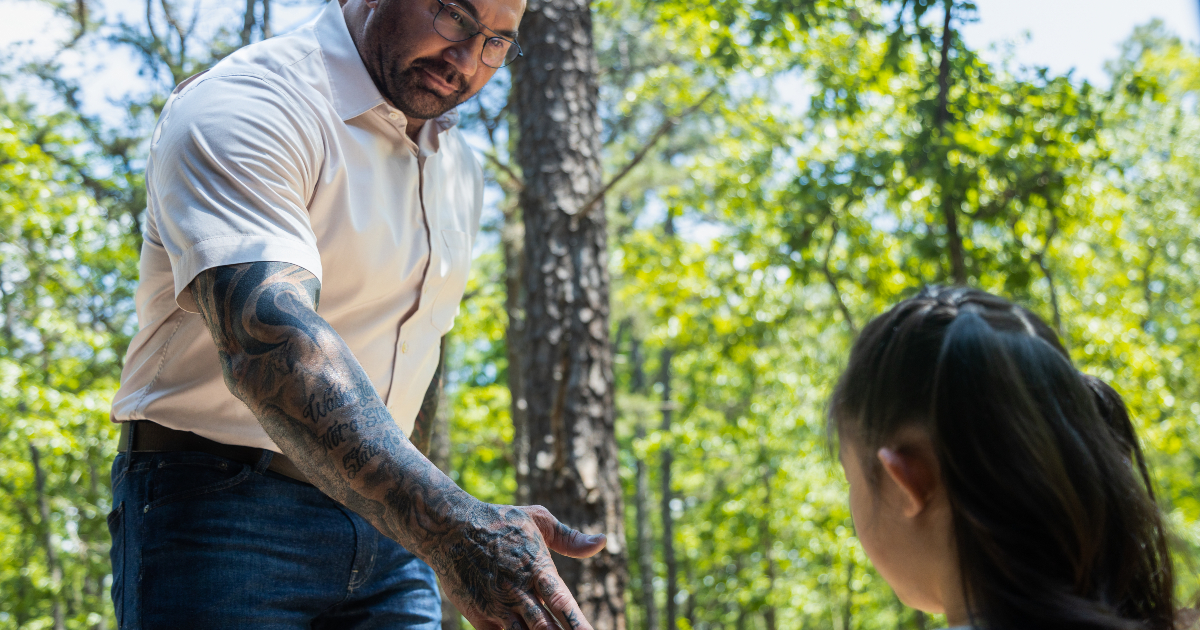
[419, 71]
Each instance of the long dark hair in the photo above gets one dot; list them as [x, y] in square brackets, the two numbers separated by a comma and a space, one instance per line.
[1054, 515]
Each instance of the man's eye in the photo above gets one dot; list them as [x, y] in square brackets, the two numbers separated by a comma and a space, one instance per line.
[496, 42]
[454, 15]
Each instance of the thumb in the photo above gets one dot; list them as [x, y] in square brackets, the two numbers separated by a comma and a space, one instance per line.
[569, 542]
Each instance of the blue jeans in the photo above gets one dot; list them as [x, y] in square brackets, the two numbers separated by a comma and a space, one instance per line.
[200, 541]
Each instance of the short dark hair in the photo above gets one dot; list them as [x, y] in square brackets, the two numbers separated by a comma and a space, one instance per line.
[1054, 515]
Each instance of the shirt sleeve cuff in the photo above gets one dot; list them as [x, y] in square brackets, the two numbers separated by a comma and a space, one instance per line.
[234, 250]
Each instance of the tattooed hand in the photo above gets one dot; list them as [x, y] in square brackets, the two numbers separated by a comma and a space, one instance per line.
[315, 401]
[499, 573]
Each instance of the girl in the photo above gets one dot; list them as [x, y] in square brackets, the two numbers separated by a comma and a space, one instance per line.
[992, 481]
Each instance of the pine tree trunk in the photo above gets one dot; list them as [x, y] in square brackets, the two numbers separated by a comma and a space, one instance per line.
[52, 563]
[668, 542]
[768, 539]
[512, 237]
[645, 537]
[439, 454]
[248, 22]
[567, 370]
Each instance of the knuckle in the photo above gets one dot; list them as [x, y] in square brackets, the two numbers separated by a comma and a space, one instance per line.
[560, 600]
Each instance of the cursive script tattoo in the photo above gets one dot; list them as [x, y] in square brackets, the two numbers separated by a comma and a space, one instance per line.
[294, 371]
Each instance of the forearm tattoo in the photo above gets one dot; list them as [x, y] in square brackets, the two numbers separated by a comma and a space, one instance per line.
[297, 375]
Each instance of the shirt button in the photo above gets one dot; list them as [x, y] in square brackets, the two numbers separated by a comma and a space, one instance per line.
[394, 115]
[404, 348]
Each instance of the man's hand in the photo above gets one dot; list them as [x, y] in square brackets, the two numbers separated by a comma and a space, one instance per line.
[497, 569]
[315, 401]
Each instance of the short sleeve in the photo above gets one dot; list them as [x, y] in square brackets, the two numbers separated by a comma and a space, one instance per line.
[233, 162]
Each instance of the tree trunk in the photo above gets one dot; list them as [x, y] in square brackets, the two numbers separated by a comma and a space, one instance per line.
[958, 266]
[573, 451]
[512, 237]
[52, 564]
[690, 583]
[768, 541]
[645, 537]
[439, 454]
[248, 22]
[848, 609]
[668, 543]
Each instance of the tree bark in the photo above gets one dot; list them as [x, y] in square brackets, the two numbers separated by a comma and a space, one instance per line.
[567, 371]
[512, 237]
[668, 543]
[52, 564]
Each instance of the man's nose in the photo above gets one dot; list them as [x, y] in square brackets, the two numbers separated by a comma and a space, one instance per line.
[464, 56]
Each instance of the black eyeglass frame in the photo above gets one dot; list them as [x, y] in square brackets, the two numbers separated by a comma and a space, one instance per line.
[442, 6]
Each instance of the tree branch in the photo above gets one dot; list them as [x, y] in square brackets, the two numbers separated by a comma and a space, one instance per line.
[512, 175]
[833, 281]
[1040, 259]
[667, 125]
[943, 111]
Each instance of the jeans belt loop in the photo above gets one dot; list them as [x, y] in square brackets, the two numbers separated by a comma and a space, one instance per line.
[264, 461]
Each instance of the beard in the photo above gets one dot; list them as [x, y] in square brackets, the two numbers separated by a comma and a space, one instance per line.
[408, 93]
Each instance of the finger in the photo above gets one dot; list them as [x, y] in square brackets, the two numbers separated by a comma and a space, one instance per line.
[535, 615]
[569, 542]
[559, 601]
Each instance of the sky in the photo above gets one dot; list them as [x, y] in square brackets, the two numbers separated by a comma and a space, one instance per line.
[1075, 34]
[1064, 35]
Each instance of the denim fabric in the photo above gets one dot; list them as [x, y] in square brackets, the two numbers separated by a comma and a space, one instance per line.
[200, 541]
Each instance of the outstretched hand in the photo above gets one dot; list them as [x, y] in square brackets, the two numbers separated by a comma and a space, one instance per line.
[499, 573]
[279, 355]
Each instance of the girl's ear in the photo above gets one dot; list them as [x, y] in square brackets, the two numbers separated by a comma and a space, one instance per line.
[914, 472]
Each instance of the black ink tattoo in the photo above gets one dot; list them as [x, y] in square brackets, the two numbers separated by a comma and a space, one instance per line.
[315, 401]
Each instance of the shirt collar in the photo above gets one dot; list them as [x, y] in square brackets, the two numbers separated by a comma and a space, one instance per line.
[354, 93]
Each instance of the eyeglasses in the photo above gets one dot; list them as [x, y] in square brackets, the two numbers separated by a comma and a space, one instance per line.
[456, 24]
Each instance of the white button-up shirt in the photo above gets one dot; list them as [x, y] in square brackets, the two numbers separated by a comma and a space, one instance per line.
[285, 151]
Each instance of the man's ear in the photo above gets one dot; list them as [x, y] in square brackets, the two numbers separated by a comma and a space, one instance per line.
[915, 474]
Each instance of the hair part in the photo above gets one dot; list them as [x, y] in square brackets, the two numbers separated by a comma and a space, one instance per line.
[1054, 515]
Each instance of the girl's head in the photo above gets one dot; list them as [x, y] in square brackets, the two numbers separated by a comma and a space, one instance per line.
[992, 480]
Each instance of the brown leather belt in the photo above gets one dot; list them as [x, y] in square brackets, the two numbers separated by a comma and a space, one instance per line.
[147, 437]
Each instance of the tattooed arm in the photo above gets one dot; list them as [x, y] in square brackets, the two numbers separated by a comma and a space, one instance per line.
[318, 405]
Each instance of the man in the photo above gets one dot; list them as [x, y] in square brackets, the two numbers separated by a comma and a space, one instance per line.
[311, 214]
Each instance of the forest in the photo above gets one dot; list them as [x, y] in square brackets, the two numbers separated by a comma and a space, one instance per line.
[746, 184]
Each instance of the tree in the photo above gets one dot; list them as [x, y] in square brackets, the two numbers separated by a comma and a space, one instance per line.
[59, 362]
[567, 362]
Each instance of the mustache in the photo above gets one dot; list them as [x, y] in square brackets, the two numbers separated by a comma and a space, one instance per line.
[440, 68]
